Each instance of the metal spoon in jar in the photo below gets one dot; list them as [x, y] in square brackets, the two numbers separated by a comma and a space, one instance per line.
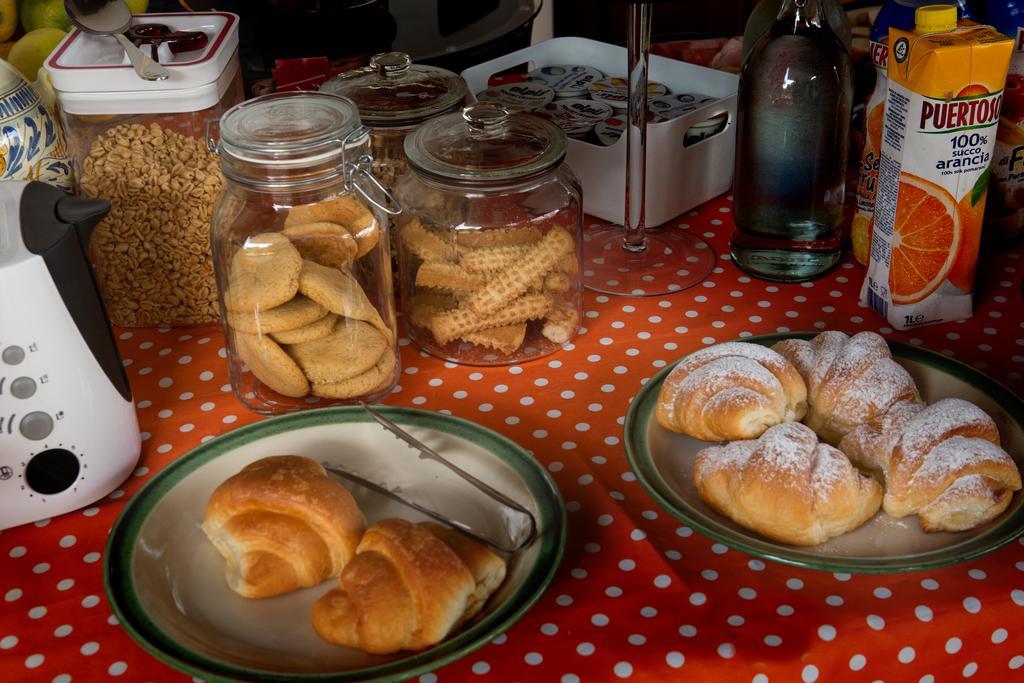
[112, 18]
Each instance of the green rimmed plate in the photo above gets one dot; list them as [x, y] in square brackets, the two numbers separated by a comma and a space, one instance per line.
[663, 462]
[165, 581]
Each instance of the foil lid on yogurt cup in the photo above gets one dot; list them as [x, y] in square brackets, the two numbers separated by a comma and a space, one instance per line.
[575, 116]
[610, 130]
[525, 96]
[615, 91]
[675, 105]
[567, 80]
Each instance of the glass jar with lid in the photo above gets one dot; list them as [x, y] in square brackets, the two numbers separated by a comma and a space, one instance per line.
[394, 96]
[490, 236]
[301, 255]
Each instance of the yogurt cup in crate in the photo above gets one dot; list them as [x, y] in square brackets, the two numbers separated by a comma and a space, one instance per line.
[686, 164]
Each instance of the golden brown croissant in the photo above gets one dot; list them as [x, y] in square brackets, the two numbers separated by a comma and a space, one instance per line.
[407, 588]
[787, 486]
[942, 462]
[731, 391]
[849, 380]
[282, 524]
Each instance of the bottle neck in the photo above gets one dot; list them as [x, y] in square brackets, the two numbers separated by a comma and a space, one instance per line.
[803, 13]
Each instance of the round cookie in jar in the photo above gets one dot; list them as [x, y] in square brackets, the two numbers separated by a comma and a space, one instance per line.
[490, 237]
[394, 96]
[301, 255]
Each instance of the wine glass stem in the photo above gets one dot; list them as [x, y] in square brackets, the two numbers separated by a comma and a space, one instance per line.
[638, 47]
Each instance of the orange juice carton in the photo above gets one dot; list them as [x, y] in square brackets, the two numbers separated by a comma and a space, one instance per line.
[867, 176]
[1004, 212]
[899, 14]
[941, 114]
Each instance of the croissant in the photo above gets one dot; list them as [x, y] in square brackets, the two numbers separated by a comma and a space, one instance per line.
[730, 391]
[786, 486]
[407, 588]
[850, 380]
[282, 524]
[942, 462]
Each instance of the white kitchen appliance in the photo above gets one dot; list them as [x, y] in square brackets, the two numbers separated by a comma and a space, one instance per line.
[68, 431]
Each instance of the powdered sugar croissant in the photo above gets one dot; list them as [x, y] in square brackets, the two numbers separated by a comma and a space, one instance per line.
[942, 462]
[850, 380]
[731, 391]
[787, 486]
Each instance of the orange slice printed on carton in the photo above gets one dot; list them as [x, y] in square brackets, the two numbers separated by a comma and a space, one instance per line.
[971, 216]
[860, 237]
[926, 239]
[876, 126]
[860, 230]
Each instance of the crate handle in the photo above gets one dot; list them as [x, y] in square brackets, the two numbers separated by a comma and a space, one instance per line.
[704, 138]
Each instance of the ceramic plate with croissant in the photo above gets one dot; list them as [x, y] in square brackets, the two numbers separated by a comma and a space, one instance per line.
[835, 451]
[243, 559]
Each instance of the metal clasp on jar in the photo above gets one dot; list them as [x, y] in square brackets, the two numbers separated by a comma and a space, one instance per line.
[360, 168]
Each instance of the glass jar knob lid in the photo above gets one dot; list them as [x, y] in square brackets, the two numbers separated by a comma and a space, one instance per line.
[391, 64]
[392, 91]
[486, 142]
[486, 117]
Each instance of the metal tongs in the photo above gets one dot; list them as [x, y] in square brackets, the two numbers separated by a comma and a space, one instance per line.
[425, 451]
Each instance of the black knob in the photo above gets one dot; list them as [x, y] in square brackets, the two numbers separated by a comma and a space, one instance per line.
[52, 471]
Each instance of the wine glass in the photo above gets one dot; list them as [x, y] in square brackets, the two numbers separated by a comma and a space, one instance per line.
[633, 261]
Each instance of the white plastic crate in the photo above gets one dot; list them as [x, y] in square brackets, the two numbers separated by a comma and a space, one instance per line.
[678, 178]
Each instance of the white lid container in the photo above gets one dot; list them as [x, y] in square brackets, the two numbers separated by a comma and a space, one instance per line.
[91, 74]
[679, 177]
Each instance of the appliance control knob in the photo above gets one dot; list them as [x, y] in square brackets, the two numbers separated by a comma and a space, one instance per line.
[13, 355]
[52, 471]
[23, 387]
[36, 425]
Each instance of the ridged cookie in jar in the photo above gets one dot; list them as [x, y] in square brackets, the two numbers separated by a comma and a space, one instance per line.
[302, 257]
[489, 241]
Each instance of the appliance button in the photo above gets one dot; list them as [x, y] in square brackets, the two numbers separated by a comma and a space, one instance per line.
[13, 355]
[52, 471]
[23, 387]
[36, 426]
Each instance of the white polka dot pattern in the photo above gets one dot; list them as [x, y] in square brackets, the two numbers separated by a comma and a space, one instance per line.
[640, 596]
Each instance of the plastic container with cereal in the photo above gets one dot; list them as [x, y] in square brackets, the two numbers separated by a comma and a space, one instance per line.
[490, 236]
[301, 257]
[141, 145]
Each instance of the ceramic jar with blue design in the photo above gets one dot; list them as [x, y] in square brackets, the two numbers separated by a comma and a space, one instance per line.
[32, 145]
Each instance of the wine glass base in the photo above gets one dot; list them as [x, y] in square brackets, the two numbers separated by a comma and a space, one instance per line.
[673, 261]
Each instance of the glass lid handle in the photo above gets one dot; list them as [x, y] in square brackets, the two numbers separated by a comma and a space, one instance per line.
[390, 64]
[486, 119]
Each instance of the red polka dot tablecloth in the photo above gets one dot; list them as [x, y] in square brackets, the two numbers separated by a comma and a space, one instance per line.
[639, 596]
